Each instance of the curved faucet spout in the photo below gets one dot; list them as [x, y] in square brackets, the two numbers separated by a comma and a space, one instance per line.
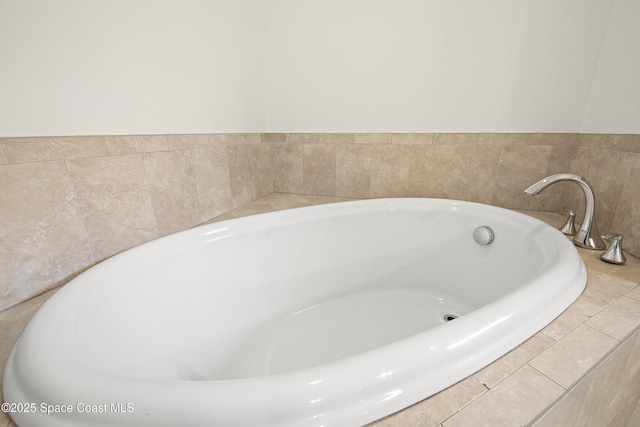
[588, 235]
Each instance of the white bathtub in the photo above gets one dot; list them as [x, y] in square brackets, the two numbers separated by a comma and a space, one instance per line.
[331, 315]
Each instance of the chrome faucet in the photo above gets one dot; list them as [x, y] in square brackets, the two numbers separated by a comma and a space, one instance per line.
[588, 235]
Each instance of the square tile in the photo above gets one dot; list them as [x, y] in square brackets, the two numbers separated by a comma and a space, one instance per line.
[571, 357]
[513, 402]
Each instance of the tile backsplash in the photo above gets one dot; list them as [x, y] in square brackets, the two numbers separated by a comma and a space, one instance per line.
[67, 203]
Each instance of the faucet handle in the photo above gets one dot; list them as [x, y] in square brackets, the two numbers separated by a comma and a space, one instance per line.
[614, 253]
[569, 227]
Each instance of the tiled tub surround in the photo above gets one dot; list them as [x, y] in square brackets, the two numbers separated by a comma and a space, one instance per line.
[581, 370]
[67, 203]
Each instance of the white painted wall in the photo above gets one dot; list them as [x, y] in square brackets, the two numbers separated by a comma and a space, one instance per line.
[73, 67]
[432, 66]
[77, 67]
[614, 102]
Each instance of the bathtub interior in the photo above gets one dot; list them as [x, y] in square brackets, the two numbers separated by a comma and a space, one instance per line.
[280, 292]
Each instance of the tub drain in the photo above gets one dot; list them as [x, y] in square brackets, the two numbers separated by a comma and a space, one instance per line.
[483, 235]
[449, 317]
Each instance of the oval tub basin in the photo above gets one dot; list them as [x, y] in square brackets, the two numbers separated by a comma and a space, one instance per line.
[332, 315]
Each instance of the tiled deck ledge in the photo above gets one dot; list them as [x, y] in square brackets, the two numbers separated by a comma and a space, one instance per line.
[582, 369]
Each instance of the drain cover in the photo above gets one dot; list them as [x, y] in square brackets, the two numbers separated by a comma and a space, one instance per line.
[449, 317]
[483, 235]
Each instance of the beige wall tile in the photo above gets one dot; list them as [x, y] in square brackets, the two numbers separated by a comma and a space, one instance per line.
[114, 197]
[235, 138]
[185, 142]
[3, 158]
[281, 201]
[412, 138]
[390, 170]
[623, 417]
[226, 138]
[278, 201]
[131, 144]
[608, 141]
[251, 138]
[626, 218]
[273, 137]
[430, 171]
[372, 138]
[315, 200]
[602, 289]
[578, 313]
[44, 241]
[275, 202]
[617, 319]
[630, 271]
[634, 293]
[568, 359]
[241, 174]
[211, 167]
[632, 368]
[608, 173]
[224, 217]
[581, 160]
[249, 209]
[629, 143]
[456, 138]
[262, 169]
[518, 168]
[173, 188]
[556, 139]
[353, 170]
[514, 360]
[437, 408]
[287, 167]
[634, 421]
[513, 402]
[454, 171]
[336, 138]
[610, 387]
[566, 411]
[474, 171]
[303, 137]
[504, 139]
[319, 169]
[28, 150]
